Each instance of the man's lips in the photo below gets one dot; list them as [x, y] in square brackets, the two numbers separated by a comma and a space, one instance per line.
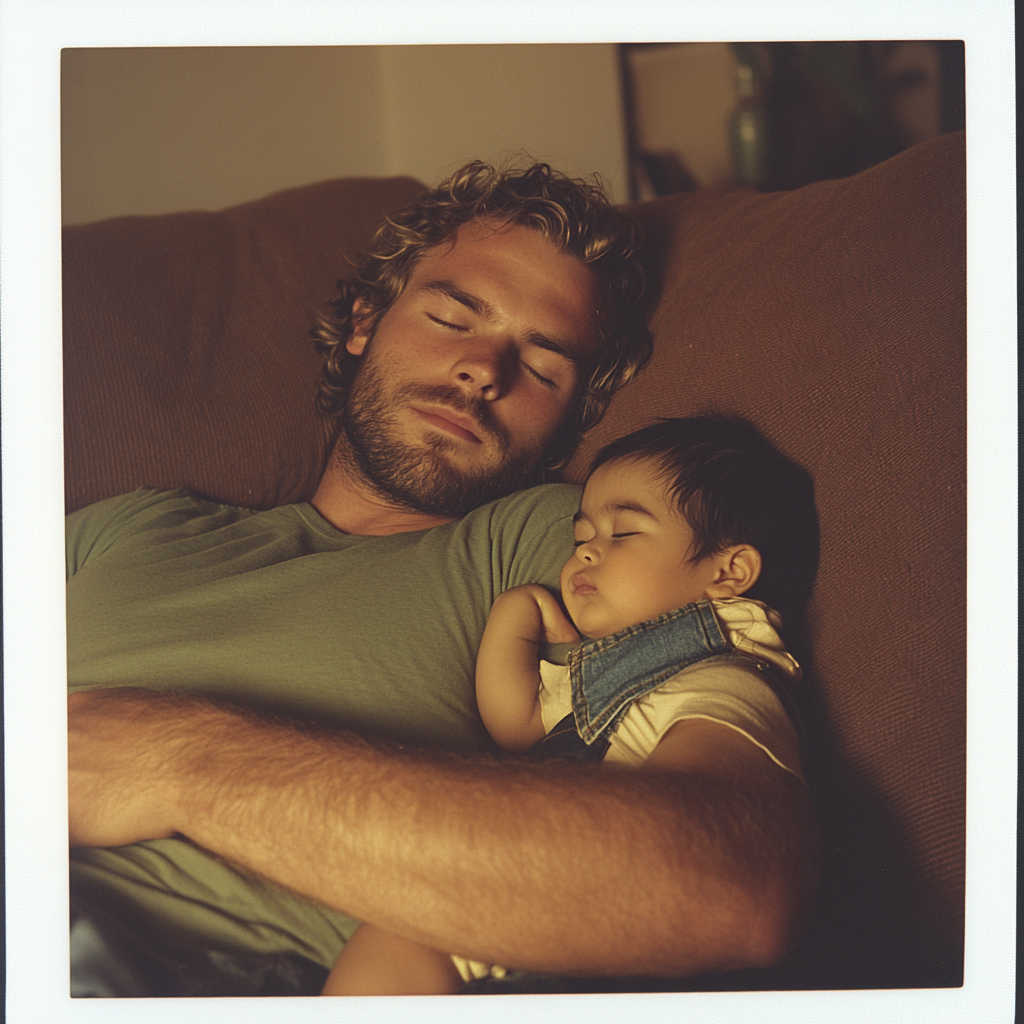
[451, 422]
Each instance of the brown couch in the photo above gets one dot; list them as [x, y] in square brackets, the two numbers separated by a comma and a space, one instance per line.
[832, 316]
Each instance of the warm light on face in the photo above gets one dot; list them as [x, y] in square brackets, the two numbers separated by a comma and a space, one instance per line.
[472, 372]
[632, 549]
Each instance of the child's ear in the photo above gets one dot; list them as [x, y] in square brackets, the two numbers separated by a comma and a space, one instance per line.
[362, 328]
[736, 571]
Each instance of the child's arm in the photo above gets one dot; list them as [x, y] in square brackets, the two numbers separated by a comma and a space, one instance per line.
[507, 666]
[375, 962]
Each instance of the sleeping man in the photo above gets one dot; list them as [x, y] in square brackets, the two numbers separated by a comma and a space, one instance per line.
[273, 732]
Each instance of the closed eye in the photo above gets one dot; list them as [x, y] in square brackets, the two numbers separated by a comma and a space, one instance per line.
[547, 382]
[614, 536]
[445, 323]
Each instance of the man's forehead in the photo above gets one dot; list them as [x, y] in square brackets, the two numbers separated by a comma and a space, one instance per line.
[496, 232]
[498, 236]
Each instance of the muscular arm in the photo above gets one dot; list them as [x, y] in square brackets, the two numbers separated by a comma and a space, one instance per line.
[508, 668]
[701, 862]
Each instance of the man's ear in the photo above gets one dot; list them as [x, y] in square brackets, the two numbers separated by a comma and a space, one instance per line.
[362, 328]
[736, 571]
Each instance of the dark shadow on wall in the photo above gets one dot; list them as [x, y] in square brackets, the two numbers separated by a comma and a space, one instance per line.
[871, 928]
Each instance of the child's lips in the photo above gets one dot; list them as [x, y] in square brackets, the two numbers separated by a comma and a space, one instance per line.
[581, 586]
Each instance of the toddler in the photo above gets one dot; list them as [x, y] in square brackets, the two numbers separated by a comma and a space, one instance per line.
[677, 522]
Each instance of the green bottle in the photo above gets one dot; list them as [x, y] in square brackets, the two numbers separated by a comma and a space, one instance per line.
[747, 128]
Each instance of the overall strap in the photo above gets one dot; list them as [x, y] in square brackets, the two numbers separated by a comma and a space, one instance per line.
[608, 674]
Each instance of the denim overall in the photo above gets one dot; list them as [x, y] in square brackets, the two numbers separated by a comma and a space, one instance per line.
[608, 674]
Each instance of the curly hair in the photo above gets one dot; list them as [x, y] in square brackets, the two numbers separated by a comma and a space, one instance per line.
[574, 214]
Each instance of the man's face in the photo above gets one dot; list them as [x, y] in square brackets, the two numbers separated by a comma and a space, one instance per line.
[473, 370]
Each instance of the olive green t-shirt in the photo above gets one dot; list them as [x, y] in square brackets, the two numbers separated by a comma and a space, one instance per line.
[281, 612]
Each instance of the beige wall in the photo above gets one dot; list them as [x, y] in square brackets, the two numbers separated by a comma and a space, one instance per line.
[161, 129]
[684, 96]
[445, 105]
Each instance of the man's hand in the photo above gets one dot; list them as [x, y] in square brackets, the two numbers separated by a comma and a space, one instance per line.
[120, 779]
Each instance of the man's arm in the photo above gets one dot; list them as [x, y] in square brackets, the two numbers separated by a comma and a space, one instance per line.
[508, 666]
[704, 861]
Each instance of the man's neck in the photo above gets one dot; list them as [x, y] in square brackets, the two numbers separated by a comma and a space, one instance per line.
[353, 505]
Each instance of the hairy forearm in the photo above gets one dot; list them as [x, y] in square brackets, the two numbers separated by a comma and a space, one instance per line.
[562, 868]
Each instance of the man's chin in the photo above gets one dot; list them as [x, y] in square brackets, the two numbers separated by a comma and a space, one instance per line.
[438, 482]
[433, 473]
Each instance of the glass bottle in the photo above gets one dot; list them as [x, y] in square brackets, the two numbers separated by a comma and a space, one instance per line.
[747, 126]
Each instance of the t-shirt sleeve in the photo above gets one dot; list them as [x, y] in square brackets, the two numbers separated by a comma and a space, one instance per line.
[90, 531]
[727, 691]
[531, 536]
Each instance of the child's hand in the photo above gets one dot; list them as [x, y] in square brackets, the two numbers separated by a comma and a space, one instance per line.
[535, 605]
[558, 629]
[507, 665]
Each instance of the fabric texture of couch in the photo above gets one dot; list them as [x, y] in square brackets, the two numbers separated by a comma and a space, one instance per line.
[832, 316]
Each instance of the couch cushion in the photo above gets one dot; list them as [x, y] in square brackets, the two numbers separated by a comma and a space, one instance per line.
[187, 356]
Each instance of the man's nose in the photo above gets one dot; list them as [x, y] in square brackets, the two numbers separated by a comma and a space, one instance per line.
[479, 371]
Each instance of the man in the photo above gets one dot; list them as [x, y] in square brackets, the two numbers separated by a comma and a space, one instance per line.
[487, 328]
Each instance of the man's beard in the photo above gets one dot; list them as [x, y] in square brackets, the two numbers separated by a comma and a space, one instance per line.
[422, 477]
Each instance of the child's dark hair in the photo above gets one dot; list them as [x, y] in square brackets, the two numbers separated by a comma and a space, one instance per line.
[733, 486]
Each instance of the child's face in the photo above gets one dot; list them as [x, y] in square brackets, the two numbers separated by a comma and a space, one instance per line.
[632, 549]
